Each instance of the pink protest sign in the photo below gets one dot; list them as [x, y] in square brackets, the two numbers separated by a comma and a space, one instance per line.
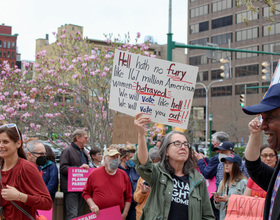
[47, 214]
[112, 213]
[77, 178]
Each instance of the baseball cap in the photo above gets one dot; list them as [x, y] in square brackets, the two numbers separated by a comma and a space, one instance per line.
[111, 151]
[232, 158]
[270, 101]
[226, 145]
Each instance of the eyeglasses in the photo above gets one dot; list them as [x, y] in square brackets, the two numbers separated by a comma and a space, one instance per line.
[36, 153]
[179, 144]
[12, 125]
[268, 155]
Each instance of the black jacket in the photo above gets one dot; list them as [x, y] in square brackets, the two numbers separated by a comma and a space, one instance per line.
[265, 177]
[70, 157]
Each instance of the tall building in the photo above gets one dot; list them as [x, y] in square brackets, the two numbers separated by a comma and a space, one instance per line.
[219, 23]
[8, 45]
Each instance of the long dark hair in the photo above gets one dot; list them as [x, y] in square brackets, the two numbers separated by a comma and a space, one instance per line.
[49, 153]
[236, 175]
[189, 165]
[14, 136]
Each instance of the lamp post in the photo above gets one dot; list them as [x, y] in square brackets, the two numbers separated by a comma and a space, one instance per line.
[206, 106]
[210, 122]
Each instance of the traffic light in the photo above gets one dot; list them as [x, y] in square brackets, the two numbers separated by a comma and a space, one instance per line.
[266, 71]
[242, 100]
[225, 67]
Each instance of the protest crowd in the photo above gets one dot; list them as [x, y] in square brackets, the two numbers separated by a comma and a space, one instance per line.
[131, 181]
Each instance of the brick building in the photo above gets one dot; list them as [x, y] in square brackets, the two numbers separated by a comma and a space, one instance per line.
[8, 45]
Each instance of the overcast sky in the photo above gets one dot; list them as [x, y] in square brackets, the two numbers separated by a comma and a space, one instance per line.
[33, 19]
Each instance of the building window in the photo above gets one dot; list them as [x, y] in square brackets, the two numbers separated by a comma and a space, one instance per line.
[267, 13]
[155, 53]
[220, 55]
[4, 54]
[222, 39]
[5, 44]
[240, 89]
[250, 16]
[8, 54]
[221, 91]
[264, 90]
[159, 53]
[221, 5]
[222, 22]
[200, 27]
[202, 76]
[0, 43]
[271, 29]
[13, 45]
[216, 74]
[275, 47]
[198, 113]
[9, 44]
[198, 60]
[247, 34]
[239, 55]
[0, 53]
[199, 11]
[250, 70]
[202, 41]
[199, 93]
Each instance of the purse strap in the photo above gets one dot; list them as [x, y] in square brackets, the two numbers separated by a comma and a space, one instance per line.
[22, 210]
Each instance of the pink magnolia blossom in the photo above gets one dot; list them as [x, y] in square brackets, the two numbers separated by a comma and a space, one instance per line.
[74, 61]
[26, 128]
[2, 117]
[108, 40]
[146, 53]
[32, 101]
[54, 104]
[62, 36]
[32, 125]
[75, 76]
[15, 93]
[84, 65]
[92, 57]
[38, 127]
[106, 69]
[138, 34]
[6, 93]
[79, 59]
[100, 99]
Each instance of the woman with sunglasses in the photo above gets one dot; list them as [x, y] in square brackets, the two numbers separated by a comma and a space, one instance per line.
[269, 157]
[21, 184]
[178, 191]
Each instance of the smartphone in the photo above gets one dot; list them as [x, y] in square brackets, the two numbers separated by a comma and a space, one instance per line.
[145, 183]
[215, 194]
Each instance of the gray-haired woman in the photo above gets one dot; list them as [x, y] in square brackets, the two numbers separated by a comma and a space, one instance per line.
[178, 191]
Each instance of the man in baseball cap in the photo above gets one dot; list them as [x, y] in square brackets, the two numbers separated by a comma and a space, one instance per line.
[269, 122]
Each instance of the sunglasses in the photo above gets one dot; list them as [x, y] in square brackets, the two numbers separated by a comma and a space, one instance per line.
[12, 125]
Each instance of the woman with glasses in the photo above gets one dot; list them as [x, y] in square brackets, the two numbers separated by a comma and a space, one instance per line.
[21, 185]
[178, 191]
[269, 157]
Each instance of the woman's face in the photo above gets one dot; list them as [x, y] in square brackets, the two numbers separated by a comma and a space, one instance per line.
[269, 157]
[97, 157]
[178, 154]
[228, 166]
[8, 148]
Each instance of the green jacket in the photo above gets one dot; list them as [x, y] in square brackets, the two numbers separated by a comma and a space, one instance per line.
[159, 201]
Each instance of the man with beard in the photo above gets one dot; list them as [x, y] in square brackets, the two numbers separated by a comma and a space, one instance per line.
[108, 186]
[266, 177]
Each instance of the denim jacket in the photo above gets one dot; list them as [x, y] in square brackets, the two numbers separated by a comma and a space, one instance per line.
[237, 188]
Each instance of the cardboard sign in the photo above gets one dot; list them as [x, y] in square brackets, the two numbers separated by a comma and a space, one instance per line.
[112, 213]
[124, 130]
[245, 207]
[158, 88]
[47, 214]
[77, 178]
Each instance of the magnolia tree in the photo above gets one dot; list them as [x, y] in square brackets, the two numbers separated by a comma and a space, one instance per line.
[69, 90]
[255, 6]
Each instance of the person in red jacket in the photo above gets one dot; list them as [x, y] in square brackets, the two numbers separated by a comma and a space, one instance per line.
[108, 185]
[20, 180]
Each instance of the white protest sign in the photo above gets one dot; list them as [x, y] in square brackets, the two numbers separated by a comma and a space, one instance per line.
[162, 89]
[276, 75]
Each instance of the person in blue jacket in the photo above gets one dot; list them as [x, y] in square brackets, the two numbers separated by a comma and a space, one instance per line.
[44, 158]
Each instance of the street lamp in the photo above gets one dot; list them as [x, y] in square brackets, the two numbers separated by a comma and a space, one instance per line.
[206, 106]
[210, 122]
